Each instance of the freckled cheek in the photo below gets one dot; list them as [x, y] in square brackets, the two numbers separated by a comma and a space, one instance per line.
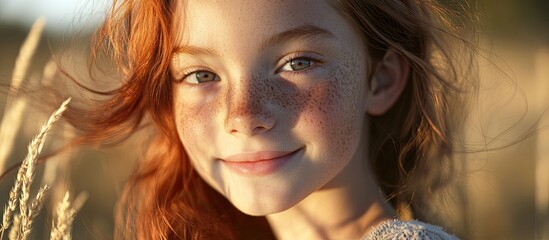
[332, 116]
[194, 124]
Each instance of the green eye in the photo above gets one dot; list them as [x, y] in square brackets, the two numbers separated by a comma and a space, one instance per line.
[201, 77]
[300, 63]
[297, 64]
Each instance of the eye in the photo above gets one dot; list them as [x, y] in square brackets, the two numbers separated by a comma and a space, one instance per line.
[200, 77]
[297, 64]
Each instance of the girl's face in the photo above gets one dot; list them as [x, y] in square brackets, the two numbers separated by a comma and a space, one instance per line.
[269, 102]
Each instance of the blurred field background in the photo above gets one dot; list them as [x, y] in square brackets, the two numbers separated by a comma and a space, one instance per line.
[506, 191]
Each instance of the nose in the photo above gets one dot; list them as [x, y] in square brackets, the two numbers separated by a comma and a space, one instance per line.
[248, 109]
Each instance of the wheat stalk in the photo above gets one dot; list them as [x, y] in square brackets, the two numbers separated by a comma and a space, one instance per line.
[20, 191]
[12, 201]
[25, 175]
[26, 52]
[12, 116]
[34, 148]
[65, 216]
[49, 72]
[33, 211]
[542, 162]
[14, 232]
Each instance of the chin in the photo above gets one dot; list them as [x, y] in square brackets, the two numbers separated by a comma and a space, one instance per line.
[262, 206]
[262, 209]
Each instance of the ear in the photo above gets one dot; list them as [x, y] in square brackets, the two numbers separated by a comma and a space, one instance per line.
[387, 83]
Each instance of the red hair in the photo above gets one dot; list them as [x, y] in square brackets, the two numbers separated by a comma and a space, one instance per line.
[166, 199]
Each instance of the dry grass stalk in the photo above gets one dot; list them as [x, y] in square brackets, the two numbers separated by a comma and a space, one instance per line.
[49, 72]
[542, 164]
[14, 232]
[34, 149]
[26, 52]
[12, 201]
[57, 172]
[57, 169]
[65, 216]
[25, 175]
[9, 128]
[12, 116]
[80, 200]
[20, 192]
[33, 211]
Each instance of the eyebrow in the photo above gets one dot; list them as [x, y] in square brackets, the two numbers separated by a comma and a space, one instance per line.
[304, 31]
[194, 50]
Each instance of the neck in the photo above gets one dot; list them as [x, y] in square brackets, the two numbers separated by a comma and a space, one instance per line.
[345, 208]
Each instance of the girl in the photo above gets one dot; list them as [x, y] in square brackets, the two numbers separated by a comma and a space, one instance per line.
[323, 119]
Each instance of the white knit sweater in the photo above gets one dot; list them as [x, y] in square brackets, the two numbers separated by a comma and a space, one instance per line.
[412, 230]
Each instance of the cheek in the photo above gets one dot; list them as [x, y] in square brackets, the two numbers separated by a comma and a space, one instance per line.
[333, 115]
[192, 121]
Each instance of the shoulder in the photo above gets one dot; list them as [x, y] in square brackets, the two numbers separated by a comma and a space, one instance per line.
[412, 230]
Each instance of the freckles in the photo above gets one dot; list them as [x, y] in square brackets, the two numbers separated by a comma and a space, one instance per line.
[333, 107]
[292, 101]
[192, 122]
[249, 101]
[183, 122]
[265, 93]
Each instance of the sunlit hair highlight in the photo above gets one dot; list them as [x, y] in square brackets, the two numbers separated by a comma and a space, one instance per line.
[411, 146]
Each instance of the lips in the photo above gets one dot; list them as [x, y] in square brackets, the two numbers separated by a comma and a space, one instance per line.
[259, 163]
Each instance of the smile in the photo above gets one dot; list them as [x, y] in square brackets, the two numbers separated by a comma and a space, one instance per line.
[260, 163]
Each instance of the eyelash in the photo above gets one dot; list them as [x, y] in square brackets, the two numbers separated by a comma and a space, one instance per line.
[286, 60]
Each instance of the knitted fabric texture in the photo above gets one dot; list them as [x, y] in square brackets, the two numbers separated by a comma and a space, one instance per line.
[412, 230]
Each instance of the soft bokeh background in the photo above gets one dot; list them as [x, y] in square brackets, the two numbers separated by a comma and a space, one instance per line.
[507, 190]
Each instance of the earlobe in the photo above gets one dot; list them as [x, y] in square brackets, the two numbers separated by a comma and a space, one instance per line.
[387, 83]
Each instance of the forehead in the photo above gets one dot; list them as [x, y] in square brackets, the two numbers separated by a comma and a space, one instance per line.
[218, 22]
